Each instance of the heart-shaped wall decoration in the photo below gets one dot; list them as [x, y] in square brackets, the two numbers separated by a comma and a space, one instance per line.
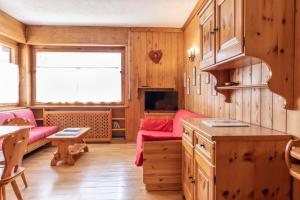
[155, 55]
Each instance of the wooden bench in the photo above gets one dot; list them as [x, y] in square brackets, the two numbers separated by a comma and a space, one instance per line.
[162, 165]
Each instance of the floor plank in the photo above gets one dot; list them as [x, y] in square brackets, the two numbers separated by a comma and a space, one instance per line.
[107, 172]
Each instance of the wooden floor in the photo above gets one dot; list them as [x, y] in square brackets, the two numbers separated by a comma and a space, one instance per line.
[106, 172]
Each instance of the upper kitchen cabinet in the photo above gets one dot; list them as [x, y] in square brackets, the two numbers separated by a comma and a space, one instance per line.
[239, 33]
[229, 29]
[207, 36]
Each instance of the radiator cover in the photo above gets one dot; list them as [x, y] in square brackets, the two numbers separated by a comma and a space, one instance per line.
[98, 121]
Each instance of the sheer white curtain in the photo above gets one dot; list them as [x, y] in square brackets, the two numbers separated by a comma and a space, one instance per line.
[9, 83]
[78, 77]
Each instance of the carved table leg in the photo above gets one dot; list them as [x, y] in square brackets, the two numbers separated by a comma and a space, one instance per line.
[86, 149]
[70, 160]
[55, 159]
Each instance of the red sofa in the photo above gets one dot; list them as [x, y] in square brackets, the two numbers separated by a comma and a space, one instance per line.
[159, 129]
[38, 134]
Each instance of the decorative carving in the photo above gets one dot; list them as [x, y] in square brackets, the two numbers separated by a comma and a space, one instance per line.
[155, 55]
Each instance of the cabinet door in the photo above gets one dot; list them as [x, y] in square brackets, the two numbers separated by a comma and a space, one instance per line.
[207, 36]
[229, 29]
[202, 184]
[187, 174]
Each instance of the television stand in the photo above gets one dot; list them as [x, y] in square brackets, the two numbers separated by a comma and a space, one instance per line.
[159, 115]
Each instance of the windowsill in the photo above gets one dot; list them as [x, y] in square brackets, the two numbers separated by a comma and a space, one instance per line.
[4, 108]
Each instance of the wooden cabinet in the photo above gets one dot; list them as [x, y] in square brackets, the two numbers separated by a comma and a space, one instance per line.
[234, 163]
[202, 184]
[221, 31]
[187, 170]
[240, 33]
[207, 36]
[229, 29]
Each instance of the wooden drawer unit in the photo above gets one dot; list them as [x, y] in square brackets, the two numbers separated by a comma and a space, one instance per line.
[204, 146]
[233, 163]
[188, 134]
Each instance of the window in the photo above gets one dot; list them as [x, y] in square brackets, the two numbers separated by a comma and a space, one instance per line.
[9, 76]
[78, 76]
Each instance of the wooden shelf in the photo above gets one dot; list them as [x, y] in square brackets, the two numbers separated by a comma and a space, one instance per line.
[118, 140]
[118, 118]
[118, 129]
[295, 171]
[295, 153]
[237, 87]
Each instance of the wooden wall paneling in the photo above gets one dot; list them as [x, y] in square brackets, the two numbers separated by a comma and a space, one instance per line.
[174, 62]
[207, 99]
[144, 57]
[216, 98]
[246, 94]
[164, 68]
[223, 106]
[239, 97]
[12, 28]
[134, 105]
[194, 88]
[165, 72]
[266, 100]
[279, 113]
[155, 82]
[149, 38]
[255, 95]
[266, 108]
[74, 35]
[232, 107]
[144, 73]
[180, 69]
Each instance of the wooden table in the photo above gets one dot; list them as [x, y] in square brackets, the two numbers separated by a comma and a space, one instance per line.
[68, 146]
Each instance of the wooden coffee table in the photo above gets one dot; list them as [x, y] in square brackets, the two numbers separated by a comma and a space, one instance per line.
[68, 146]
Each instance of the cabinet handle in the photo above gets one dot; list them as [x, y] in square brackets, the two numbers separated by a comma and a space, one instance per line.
[192, 180]
[212, 32]
[202, 146]
[216, 29]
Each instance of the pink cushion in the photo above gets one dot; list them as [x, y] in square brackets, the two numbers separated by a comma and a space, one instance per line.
[156, 125]
[26, 114]
[41, 132]
[5, 116]
[150, 136]
[177, 125]
[35, 136]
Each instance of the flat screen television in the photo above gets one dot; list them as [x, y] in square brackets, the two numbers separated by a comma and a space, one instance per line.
[161, 101]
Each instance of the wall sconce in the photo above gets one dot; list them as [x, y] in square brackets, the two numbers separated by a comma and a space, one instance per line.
[192, 54]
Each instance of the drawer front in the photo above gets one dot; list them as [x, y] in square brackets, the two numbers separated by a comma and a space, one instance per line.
[187, 145]
[204, 146]
[188, 134]
[203, 162]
